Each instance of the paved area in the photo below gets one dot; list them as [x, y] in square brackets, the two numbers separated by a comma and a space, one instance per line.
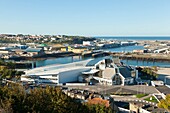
[135, 89]
[132, 99]
[146, 97]
[163, 72]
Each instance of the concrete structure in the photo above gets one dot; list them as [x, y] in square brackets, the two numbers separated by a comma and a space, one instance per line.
[88, 43]
[135, 106]
[138, 107]
[106, 71]
[4, 51]
[22, 46]
[161, 50]
[57, 74]
[75, 49]
[157, 83]
[91, 98]
[64, 49]
[35, 51]
[164, 75]
[116, 73]
[167, 80]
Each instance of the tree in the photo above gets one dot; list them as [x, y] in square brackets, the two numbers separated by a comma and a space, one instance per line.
[7, 73]
[165, 103]
[14, 98]
[150, 73]
[10, 65]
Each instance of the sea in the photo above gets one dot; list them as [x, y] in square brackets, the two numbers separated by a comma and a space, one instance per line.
[134, 38]
[71, 59]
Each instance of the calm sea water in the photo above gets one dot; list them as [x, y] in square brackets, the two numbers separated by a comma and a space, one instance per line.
[64, 60]
[136, 38]
[70, 59]
[125, 48]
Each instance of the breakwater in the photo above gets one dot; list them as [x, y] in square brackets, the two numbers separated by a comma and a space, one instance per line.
[142, 58]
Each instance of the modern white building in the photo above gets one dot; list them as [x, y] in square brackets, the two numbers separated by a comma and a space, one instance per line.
[58, 74]
[167, 80]
[105, 70]
[88, 43]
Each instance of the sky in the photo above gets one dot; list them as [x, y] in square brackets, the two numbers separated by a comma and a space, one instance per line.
[86, 17]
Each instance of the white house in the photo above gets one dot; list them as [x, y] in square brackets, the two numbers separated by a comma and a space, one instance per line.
[110, 72]
[117, 76]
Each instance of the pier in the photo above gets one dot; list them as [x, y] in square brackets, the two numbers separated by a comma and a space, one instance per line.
[141, 57]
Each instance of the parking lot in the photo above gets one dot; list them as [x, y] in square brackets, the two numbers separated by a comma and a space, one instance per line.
[135, 89]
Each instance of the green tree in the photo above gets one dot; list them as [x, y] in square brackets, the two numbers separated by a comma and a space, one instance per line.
[165, 103]
[14, 98]
[10, 65]
[150, 73]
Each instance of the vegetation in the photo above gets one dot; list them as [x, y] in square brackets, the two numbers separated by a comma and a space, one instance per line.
[7, 70]
[149, 73]
[165, 103]
[141, 95]
[10, 65]
[151, 99]
[14, 98]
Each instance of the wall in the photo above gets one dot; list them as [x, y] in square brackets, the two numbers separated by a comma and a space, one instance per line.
[143, 111]
[64, 49]
[79, 50]
[72, 75]
[4, 51]
[133, 107]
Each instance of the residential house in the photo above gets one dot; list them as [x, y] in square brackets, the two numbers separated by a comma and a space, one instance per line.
[116, 73]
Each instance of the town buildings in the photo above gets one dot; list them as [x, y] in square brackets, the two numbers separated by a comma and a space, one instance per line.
[105, 70]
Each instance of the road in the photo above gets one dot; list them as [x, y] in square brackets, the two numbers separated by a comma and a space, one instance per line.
[132, 99]
[135, 89]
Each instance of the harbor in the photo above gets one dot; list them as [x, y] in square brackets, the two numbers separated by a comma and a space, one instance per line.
[126, 56]
[85, 56]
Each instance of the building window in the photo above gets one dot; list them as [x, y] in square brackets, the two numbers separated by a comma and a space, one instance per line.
[54, 75]
[97, 67]
[116, 69]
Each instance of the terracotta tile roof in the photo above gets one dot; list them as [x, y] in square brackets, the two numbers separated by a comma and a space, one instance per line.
[99, 101]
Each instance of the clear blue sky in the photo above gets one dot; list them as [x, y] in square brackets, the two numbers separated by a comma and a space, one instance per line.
[85, 17]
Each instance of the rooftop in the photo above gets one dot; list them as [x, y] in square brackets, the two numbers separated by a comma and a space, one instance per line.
[57, 71]
[164, 71]
[108, 73]
[33, 49]
[93, 71]
[97, 60]
[56, 67]
[94, 61]
[99, 101]
[163, 89]
[125, 72]
[158, 82]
